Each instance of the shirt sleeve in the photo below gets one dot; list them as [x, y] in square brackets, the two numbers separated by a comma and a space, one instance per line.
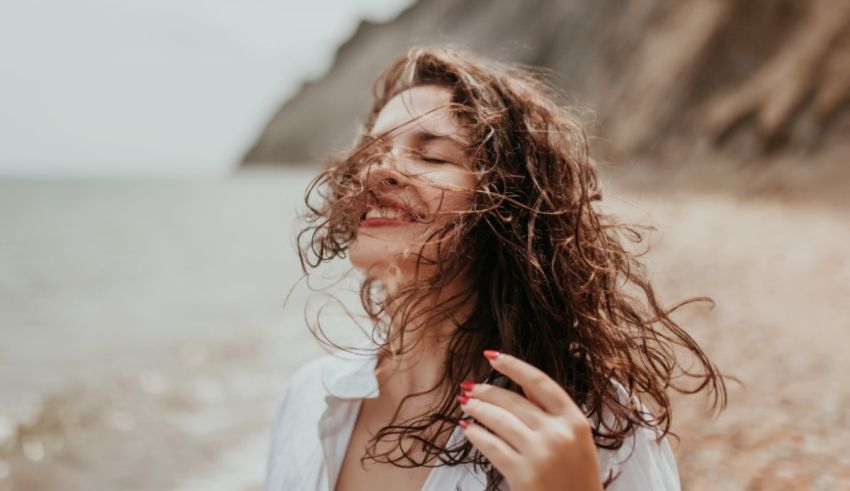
[642, 464]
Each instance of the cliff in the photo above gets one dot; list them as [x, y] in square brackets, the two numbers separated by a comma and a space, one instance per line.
[678, 79]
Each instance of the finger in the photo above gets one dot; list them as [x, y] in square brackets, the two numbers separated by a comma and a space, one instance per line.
[500, 421]
[528, 412]
[539, 387]
[494, 448]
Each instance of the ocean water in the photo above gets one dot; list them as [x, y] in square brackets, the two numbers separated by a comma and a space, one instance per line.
[143, 325]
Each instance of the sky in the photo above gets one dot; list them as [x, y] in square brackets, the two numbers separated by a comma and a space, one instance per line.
[156, 87]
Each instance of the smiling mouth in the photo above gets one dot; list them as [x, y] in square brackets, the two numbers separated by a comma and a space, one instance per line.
[384, 213]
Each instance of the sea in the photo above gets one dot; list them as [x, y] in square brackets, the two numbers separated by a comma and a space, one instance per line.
[148, 328]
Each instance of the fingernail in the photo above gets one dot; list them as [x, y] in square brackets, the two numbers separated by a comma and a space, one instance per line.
[467, 385]
[491, 354]
[464, 423]
[463, 399]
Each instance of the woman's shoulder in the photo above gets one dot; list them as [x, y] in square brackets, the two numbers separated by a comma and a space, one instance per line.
[295, 443]
[308, 383]
[311, 372]
[335, 374]
[301, 403]
[645, 460]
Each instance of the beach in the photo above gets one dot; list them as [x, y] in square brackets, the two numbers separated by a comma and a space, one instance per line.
[146, 335]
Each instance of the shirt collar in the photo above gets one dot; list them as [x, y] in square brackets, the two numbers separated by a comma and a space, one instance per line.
[351, 375]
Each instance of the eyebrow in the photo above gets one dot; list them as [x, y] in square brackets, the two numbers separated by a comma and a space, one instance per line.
[427, 136]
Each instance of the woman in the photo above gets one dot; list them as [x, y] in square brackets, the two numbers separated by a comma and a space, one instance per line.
[516, 341]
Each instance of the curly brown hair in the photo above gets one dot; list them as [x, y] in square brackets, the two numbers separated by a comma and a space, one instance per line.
[556, 284]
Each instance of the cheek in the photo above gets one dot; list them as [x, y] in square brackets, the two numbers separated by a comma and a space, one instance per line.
[449, 197]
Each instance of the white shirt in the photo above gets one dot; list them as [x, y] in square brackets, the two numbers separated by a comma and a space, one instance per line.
[316, 418]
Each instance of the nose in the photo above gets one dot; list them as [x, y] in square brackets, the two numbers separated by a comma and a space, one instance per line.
[383, 173]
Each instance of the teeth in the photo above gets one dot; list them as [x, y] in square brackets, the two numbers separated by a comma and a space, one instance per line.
[387, 212]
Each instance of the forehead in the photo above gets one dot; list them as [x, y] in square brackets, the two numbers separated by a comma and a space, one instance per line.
[424, 108]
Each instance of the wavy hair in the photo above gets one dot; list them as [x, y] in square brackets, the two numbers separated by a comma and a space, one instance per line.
[556, 283]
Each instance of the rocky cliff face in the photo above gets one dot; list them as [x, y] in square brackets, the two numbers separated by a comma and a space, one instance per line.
[674, 79]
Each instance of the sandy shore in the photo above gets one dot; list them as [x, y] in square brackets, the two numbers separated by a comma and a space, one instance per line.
[145, 341]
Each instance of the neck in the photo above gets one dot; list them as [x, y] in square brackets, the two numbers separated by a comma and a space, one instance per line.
[416, 355]
[415, 367]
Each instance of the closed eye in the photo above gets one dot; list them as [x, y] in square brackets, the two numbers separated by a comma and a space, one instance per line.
[432, 158]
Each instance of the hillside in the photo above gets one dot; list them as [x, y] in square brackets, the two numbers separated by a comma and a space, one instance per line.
[678, 80]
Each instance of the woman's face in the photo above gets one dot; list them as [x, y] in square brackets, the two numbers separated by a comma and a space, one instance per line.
[420, 184]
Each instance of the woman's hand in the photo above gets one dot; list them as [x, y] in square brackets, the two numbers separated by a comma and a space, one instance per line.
[542, 442]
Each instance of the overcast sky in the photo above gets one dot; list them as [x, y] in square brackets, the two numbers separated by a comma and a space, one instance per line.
[156, 87]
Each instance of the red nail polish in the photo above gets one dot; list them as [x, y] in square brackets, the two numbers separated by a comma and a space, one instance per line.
[463, 399]
[491, 354]
[464, 423]
[466, 385]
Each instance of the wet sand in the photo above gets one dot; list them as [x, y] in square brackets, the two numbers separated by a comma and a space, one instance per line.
[144, 340]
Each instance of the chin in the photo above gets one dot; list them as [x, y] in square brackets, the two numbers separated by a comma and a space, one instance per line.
[379, 256]
[380, 251]
[371, 254]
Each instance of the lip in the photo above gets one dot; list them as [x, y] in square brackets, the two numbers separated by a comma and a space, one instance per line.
[383, 222]
[386, 222]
